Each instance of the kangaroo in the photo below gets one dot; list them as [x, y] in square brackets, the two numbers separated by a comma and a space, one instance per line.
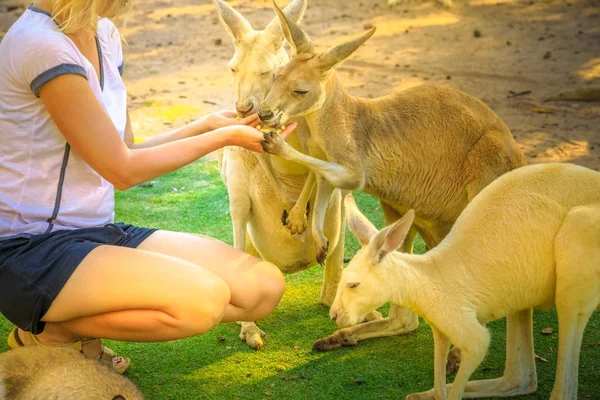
[427, 148]
[261, 186]
[529, 239]
[60, 373]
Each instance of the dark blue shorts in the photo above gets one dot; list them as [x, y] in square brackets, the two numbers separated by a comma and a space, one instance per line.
[34, 268]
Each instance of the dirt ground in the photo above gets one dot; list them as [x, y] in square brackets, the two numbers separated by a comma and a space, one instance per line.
[177, 53]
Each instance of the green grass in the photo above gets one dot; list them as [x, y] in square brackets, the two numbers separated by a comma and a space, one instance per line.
[206, 368]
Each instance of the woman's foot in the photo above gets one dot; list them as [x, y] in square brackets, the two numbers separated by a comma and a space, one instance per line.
[89, 347]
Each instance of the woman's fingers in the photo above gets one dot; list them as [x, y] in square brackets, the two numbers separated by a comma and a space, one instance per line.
[228, 114]
[288, 129]
[250, 120]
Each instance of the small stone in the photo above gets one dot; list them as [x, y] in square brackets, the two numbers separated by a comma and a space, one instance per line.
[228, 347]
[147, 184]
[477, 33]
[547, 331]
[296, 348]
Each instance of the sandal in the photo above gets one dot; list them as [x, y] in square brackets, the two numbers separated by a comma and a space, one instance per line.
[106, 357]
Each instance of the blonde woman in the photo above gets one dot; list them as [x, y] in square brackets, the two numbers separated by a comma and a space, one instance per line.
[68, 274]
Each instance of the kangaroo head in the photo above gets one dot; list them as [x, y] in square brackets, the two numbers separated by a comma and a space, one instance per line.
[300, 86]
[364, 285]
[258, 54]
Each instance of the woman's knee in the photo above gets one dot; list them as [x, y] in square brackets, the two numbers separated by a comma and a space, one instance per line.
[204, 307]
[269, 289]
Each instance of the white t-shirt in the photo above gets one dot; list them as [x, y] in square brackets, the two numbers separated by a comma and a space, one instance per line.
[44, 184]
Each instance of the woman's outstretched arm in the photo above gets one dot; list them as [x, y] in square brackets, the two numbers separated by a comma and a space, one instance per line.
[205, 124]
[92, 135]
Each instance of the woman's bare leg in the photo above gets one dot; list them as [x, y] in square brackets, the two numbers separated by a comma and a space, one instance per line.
[136, 295]
[256, 286]
[146, 294]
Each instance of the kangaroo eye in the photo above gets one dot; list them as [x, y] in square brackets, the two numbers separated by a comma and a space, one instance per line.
[302, 92]
[353, 285]
[234, 70]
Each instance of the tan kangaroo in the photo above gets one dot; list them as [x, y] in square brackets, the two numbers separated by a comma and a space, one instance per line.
[261, 186]
[428, 148]
[60, 373]
[529, 239]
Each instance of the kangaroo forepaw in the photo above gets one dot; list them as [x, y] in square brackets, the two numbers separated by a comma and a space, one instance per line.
[453, 363]
[335, 341]
[322, 251]
[296, 221]
[274, 144]
[284, 217]
[252, 335]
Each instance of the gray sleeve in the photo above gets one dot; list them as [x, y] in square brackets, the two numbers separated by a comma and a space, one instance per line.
[48, 75]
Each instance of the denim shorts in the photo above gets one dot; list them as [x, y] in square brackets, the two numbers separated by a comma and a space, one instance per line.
[35, 268]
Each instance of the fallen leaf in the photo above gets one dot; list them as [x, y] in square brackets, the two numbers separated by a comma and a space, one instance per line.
[541, 358]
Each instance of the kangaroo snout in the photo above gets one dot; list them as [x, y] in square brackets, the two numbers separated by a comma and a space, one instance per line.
[247, 107]
[265, 115]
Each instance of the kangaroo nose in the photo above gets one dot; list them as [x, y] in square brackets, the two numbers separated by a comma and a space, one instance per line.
[265, 115]
[245, 107]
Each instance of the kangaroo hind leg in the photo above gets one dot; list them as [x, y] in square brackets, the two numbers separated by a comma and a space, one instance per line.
[577, 252]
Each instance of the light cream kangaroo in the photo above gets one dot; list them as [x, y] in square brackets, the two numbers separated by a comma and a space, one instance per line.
[50, 373]
[529, 239]
[261, 186]
[428, 148]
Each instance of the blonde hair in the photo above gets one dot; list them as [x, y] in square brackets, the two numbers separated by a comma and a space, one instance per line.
[74, 15]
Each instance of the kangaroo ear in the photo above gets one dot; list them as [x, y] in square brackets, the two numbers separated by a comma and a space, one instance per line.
[295, 11]
[237, 26]
[391, 237]
[339, 53]
[295, 36]
[360, 226]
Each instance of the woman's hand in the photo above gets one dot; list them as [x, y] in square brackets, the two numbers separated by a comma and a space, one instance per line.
[225, 118]
[250, 138]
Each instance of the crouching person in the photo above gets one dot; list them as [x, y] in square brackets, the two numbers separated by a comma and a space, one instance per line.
[69, 274]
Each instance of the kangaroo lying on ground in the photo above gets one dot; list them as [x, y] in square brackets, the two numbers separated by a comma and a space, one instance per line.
[60, 373]
[530, 239]
[427, 148]
[261, 186]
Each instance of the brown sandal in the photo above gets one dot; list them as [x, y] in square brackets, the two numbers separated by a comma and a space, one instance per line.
[106, 357]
